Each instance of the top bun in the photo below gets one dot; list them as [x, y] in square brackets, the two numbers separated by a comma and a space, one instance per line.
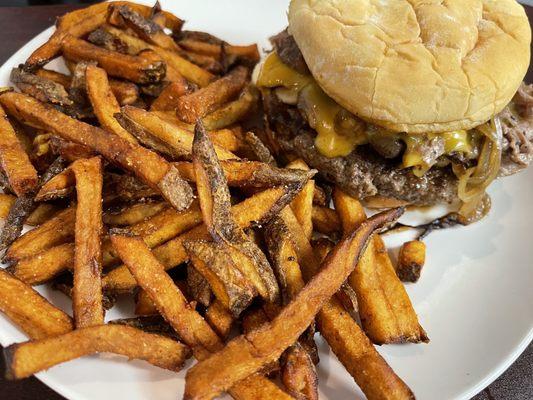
[415, 65]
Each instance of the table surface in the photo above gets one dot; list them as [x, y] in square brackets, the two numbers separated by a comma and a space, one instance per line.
[19, 25]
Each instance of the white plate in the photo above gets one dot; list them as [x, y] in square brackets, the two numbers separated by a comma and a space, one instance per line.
[474, 299]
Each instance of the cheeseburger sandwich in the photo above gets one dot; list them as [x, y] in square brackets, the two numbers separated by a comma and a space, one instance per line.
[403, 101]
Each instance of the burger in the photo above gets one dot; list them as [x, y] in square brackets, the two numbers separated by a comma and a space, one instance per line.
[403, 102]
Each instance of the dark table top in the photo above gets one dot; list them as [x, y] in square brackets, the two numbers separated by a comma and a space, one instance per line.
[18, 26]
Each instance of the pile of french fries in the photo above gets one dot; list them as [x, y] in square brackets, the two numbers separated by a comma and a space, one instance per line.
[140, 177]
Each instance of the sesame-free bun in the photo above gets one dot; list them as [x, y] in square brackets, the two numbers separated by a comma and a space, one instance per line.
[415, 65]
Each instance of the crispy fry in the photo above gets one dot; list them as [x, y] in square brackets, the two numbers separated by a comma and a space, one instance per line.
[148, 323]
[41, 88]
[346, 339]
[166, 101]
[6, 201]
[144, 304]
[232, 112]
[53, 232]
[59, 186]
[104, 103]
[325, 220]
[256, 209]
[245, 355]
[26, 359]
[14, 161]
[258, 150]
[229, 285]
[189, 325]
[190, 71]
[298, 373]
[146, 29]
[31, 312]
[87, 290]
[134, 214]
[386, 312]
[219, 318]
[320, 198]
[209, 63]
[41, 214]
[148, 166]
[200, 103]
[214, 196]
[411, 260]
[302, 205]
[148, 127]
[57, 77]
[133, 68]
[69, 151]
[198, 287]
[250, 52]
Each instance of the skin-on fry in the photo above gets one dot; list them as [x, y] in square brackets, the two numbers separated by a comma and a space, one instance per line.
[215, 203]
[87, 290]
[166, 101]
[219, 318]
[125, 92]
[24, 206]
[346, 339]
[59, 186]
[133, 68]
[146, 29]
[26, 359]
[134, 214]
[42, 213]
[104, 103]
[145, 125]
[198, 287]
[41, 88]
[386, 312]
[31, 312]
[187, 69]
[144, 304]
[232, 112]
[148, 323]
[325, 220]
[298, 373]
[230, 287]
[189, 325]
[200, 103]
[302, 205]
[411, 260]
[259, 209]
[245, 355]
[250, 52]
[53, 232]
[148, 166]
[258, 150]
[6, 201]
[67, 150]
[21, 174]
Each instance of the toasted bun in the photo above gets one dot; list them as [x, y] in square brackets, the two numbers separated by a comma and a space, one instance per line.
[415, 66]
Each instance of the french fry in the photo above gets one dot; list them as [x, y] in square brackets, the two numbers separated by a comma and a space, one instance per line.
[148, 127]
[219, 318]
[146, 29]
[189, 325]
[133, 68]
[298, 373]
[302, 205]
[26, 359]
[258, 150]
[166, 101]
[125, 92]
[232, 112]
[104, 103]
[229, 285]
[144, 304]
[148, 166]
[59, 186]
[42, 89]
[214, 196]
[148, 323]
[6, 202]
[200, 103]
[347, 340]
[69, 151]
[411, 260]
[14, 161]
[134, 214]
[325, 220]
[245, 355]
[41, 214]
[24, 206]
[256, 209]
[87, 290]
[53, 232]
[187, 69]
[209, 63]
[249, 52]
[198, 287]
[386, 312]
[31, 312]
